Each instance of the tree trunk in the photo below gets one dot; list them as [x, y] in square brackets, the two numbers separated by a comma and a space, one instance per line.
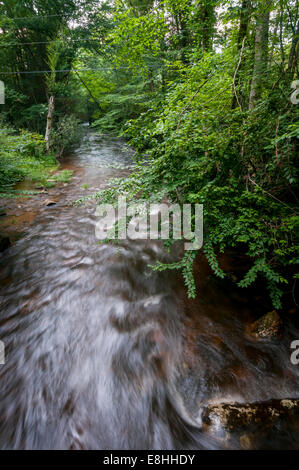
[244, 22]
[260, 56]
[49, 121]
[208, 21]
[151, 81]
[274, 38]
[204, 16]
[294, 54]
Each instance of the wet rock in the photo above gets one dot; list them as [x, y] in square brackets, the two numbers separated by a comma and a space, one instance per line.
[260, 425]
[247, 441]
[268, 326]
[49, 202]
[4, 242]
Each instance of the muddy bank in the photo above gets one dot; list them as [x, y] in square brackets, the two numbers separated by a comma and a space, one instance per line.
[18, 213]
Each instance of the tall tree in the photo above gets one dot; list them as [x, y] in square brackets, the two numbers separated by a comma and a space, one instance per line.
[260, 52]
[245, 17]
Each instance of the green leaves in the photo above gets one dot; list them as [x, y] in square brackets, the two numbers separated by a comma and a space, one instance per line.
[137, 37]
[22, 156]
[186, 266]
[218, 157]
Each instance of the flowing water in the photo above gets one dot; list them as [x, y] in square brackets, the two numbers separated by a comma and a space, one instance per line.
[96, 342]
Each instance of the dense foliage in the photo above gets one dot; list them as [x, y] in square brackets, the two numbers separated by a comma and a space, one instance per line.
[201, 88]
[207, 136]
[23, 156]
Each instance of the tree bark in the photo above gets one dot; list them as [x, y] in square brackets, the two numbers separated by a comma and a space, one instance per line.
[49, 122]
[260, 56]
[244, 22]
[274, 38]
[294, 53]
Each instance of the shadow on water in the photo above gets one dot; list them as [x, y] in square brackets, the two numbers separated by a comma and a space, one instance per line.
[104, 353]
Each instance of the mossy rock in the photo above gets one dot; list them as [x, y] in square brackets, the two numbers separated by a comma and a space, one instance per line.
[270, 424]
[267, 327]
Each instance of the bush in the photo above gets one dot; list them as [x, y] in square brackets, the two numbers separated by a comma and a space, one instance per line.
[239, 164]
[22, 155]
[65, 134]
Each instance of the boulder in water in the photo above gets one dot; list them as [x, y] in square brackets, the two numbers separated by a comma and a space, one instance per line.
[49, 202]
[261, 425]
[267, 327]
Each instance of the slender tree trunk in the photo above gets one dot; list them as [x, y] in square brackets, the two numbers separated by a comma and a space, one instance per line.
[281, 33]
[184, 37]
[49, 121]
[208, 26]
[204, 15]
[260, 56]
[151, 81]
[274, 38]
[294, 53]
[244, 22]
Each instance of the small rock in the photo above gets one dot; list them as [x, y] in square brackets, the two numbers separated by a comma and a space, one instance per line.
[49, 202]
[268, 326]
[4, 242]
[2, 212]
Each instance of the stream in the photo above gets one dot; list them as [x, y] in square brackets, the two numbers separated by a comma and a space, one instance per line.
[101, 352]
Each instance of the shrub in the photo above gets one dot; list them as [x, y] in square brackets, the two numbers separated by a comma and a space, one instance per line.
[65, 135]
[22, 155]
